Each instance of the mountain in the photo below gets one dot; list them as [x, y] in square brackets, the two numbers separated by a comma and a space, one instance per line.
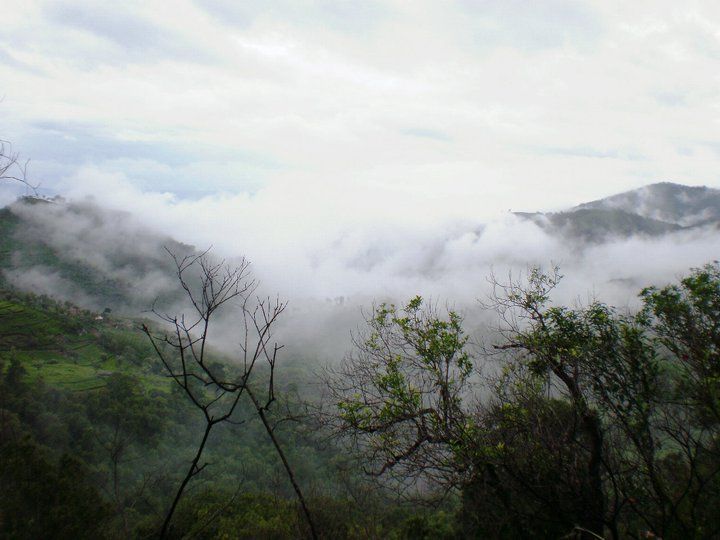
[666, 202]
[99, 258]
[650, 211]
[88, 255]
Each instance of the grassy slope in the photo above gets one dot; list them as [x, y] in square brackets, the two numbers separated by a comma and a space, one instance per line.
[68, 348]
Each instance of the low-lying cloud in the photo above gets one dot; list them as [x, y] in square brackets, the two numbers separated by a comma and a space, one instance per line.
[330, 263]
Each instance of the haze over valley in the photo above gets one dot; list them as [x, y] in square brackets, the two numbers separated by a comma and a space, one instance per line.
[100, 257]
[324, 269]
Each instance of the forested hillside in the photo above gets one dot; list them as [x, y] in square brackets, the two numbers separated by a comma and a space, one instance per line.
[97, 257]
[94, 437]
[552, 421]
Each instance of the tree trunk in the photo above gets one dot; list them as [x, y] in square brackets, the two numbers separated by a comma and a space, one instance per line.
[191, 472]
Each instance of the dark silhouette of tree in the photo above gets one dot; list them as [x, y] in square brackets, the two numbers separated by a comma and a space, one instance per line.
[12, 169]
[216, 389]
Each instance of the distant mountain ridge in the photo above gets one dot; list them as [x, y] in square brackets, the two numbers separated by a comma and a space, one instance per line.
[653, 210]
[665, 201]
[99, 258]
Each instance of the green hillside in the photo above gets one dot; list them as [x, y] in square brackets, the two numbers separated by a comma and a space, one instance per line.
[85, 254]
[89, 419]
[72, 348]
[406, 437]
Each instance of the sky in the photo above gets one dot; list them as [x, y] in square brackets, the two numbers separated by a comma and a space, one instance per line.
[368, 149]
[365, 110]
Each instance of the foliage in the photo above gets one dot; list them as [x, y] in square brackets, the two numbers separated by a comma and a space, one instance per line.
[402, 392]
[121, 420]
[600, 423]
[594, 420]
[41, 498]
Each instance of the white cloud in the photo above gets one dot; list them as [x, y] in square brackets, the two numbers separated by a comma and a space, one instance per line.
[337, 145]
[330, 273]
[330, 94]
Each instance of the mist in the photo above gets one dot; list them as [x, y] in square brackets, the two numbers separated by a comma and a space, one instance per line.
[331, 260]
[193, 190]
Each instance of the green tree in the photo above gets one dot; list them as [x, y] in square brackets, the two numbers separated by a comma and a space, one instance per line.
[42, 499]
[599, 423]
[399, 397]
[125, 421]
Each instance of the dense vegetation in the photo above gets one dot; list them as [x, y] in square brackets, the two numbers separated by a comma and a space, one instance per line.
[570, 421]
[65, 248]
[599, 424]
[94, 438]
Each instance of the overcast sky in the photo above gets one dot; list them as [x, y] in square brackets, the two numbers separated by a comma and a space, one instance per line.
[364, 110]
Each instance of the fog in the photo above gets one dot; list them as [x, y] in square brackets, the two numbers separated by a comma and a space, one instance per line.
[331, 259]
[359, 151]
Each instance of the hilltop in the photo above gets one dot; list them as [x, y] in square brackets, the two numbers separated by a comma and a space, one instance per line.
[667, 202]
[650, 211]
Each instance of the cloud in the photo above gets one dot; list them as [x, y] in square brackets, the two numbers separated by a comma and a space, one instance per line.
[138, 37]
[10, 60]
[427, 133]
[583, 151]
[405, 99]
[339, 16]
[180, 167]
[532, 25]
[363, 145]
[330, 274]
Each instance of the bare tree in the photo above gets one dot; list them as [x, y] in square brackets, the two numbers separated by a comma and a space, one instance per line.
[216, 389]
[12, 169]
